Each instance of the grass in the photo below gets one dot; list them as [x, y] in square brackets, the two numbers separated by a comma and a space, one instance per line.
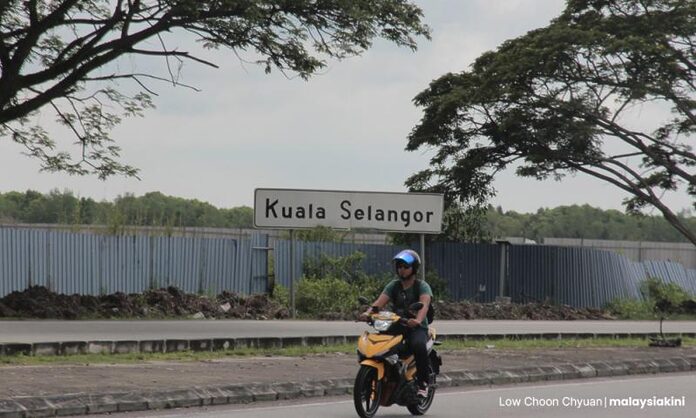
[295, 351]
[298, 351]
[526, 344]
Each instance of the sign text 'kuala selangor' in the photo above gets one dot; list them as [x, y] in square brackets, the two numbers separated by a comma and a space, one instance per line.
[407, 212]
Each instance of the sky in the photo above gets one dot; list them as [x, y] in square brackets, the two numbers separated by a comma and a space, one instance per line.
[343, 129]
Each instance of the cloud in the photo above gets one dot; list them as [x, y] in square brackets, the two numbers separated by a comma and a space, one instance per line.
[345, 128]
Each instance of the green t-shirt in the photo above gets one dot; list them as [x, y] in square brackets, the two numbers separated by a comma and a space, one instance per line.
[406, 297]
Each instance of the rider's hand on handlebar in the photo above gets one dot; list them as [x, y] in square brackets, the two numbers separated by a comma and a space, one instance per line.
[364, 316]
[412, 323]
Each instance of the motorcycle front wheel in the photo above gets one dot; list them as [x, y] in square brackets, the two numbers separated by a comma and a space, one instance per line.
[367, 392]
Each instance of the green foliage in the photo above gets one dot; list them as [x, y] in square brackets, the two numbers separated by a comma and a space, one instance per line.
[316, 296]
[666, 297]
[583, 221]
[316, 234]
[347, 268]
[459, 224]
[660, 299]
[61, 59]
[151, 209]
[548, 103]
[157, 209]
[281, 295]
[437, 284]
[330, 286]
[631, 309]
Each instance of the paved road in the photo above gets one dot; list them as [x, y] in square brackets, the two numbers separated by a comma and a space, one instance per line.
[623, 397]
[48, 331]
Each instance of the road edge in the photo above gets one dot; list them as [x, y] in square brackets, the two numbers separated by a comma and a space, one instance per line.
[57, 348]
[95, 403]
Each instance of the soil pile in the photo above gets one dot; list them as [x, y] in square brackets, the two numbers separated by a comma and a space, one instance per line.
[534, 311]
[39, 302]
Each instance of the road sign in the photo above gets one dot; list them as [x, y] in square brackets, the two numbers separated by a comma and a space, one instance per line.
[393, 212]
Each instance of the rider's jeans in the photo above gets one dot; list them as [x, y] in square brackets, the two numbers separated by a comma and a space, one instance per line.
[417, 339]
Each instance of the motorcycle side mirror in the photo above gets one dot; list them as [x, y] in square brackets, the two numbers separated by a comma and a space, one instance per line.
[363, 300]
[416, 306]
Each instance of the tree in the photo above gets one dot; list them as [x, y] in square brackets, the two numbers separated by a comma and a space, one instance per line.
[61, 57]
[558, 100]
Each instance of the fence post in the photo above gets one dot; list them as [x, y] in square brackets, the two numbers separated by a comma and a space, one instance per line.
[151, 262]
[504, 265]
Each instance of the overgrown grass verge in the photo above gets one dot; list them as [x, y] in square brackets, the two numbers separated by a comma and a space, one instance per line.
[299, 351]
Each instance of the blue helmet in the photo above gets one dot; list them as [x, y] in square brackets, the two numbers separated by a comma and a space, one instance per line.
[410, 257]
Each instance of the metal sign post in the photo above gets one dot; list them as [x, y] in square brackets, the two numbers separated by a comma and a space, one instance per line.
[422, 254]
[292, 209]
[292, 273]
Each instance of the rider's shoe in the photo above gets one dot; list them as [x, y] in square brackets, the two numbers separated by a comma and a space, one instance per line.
[422, 390]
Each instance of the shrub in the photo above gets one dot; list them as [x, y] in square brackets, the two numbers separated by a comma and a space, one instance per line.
[437, 284]
[666, 296]
[659, 299]
[281, 295]
[348, 268]
[330, 287]
[317, 296]
[631, 309]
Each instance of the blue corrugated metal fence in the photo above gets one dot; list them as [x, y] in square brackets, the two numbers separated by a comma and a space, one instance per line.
[575, 276]
[92, 264]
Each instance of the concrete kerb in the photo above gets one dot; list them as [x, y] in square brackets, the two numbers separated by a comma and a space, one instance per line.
[13, 349]
[11, 409]
[201, 345]
[77, 404]
[69, 348]
[100, 347]
[217, 344]
[126, 347]
[68, 404]
[152, 346]
[173, 346]
[45, 349]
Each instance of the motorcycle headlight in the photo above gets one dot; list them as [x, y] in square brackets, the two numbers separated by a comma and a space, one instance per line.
[382, 324]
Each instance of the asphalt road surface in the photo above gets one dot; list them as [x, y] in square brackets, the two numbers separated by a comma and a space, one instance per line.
[21, 331]
[662, 396]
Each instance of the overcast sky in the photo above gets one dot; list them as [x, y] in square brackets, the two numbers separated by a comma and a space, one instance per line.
[344, 129]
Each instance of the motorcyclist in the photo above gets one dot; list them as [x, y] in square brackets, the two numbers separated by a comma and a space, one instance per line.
[408, 291]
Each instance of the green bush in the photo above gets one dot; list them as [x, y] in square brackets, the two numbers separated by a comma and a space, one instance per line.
[659, 299]
[437, 284]
[348, 268]
[664, 294]
[632, 309]
[330, 287]
[316, 296]
[281, 295]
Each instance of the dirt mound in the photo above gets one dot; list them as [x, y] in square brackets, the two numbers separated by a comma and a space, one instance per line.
[471, 310]
[39, 302]
[535, 311]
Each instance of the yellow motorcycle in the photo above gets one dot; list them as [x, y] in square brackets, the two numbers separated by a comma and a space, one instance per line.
[388, 369]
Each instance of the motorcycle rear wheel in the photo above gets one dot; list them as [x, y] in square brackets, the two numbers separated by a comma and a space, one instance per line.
[423, 405]
[367, 392]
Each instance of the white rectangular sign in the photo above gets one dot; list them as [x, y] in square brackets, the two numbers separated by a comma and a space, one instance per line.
[395, 212]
